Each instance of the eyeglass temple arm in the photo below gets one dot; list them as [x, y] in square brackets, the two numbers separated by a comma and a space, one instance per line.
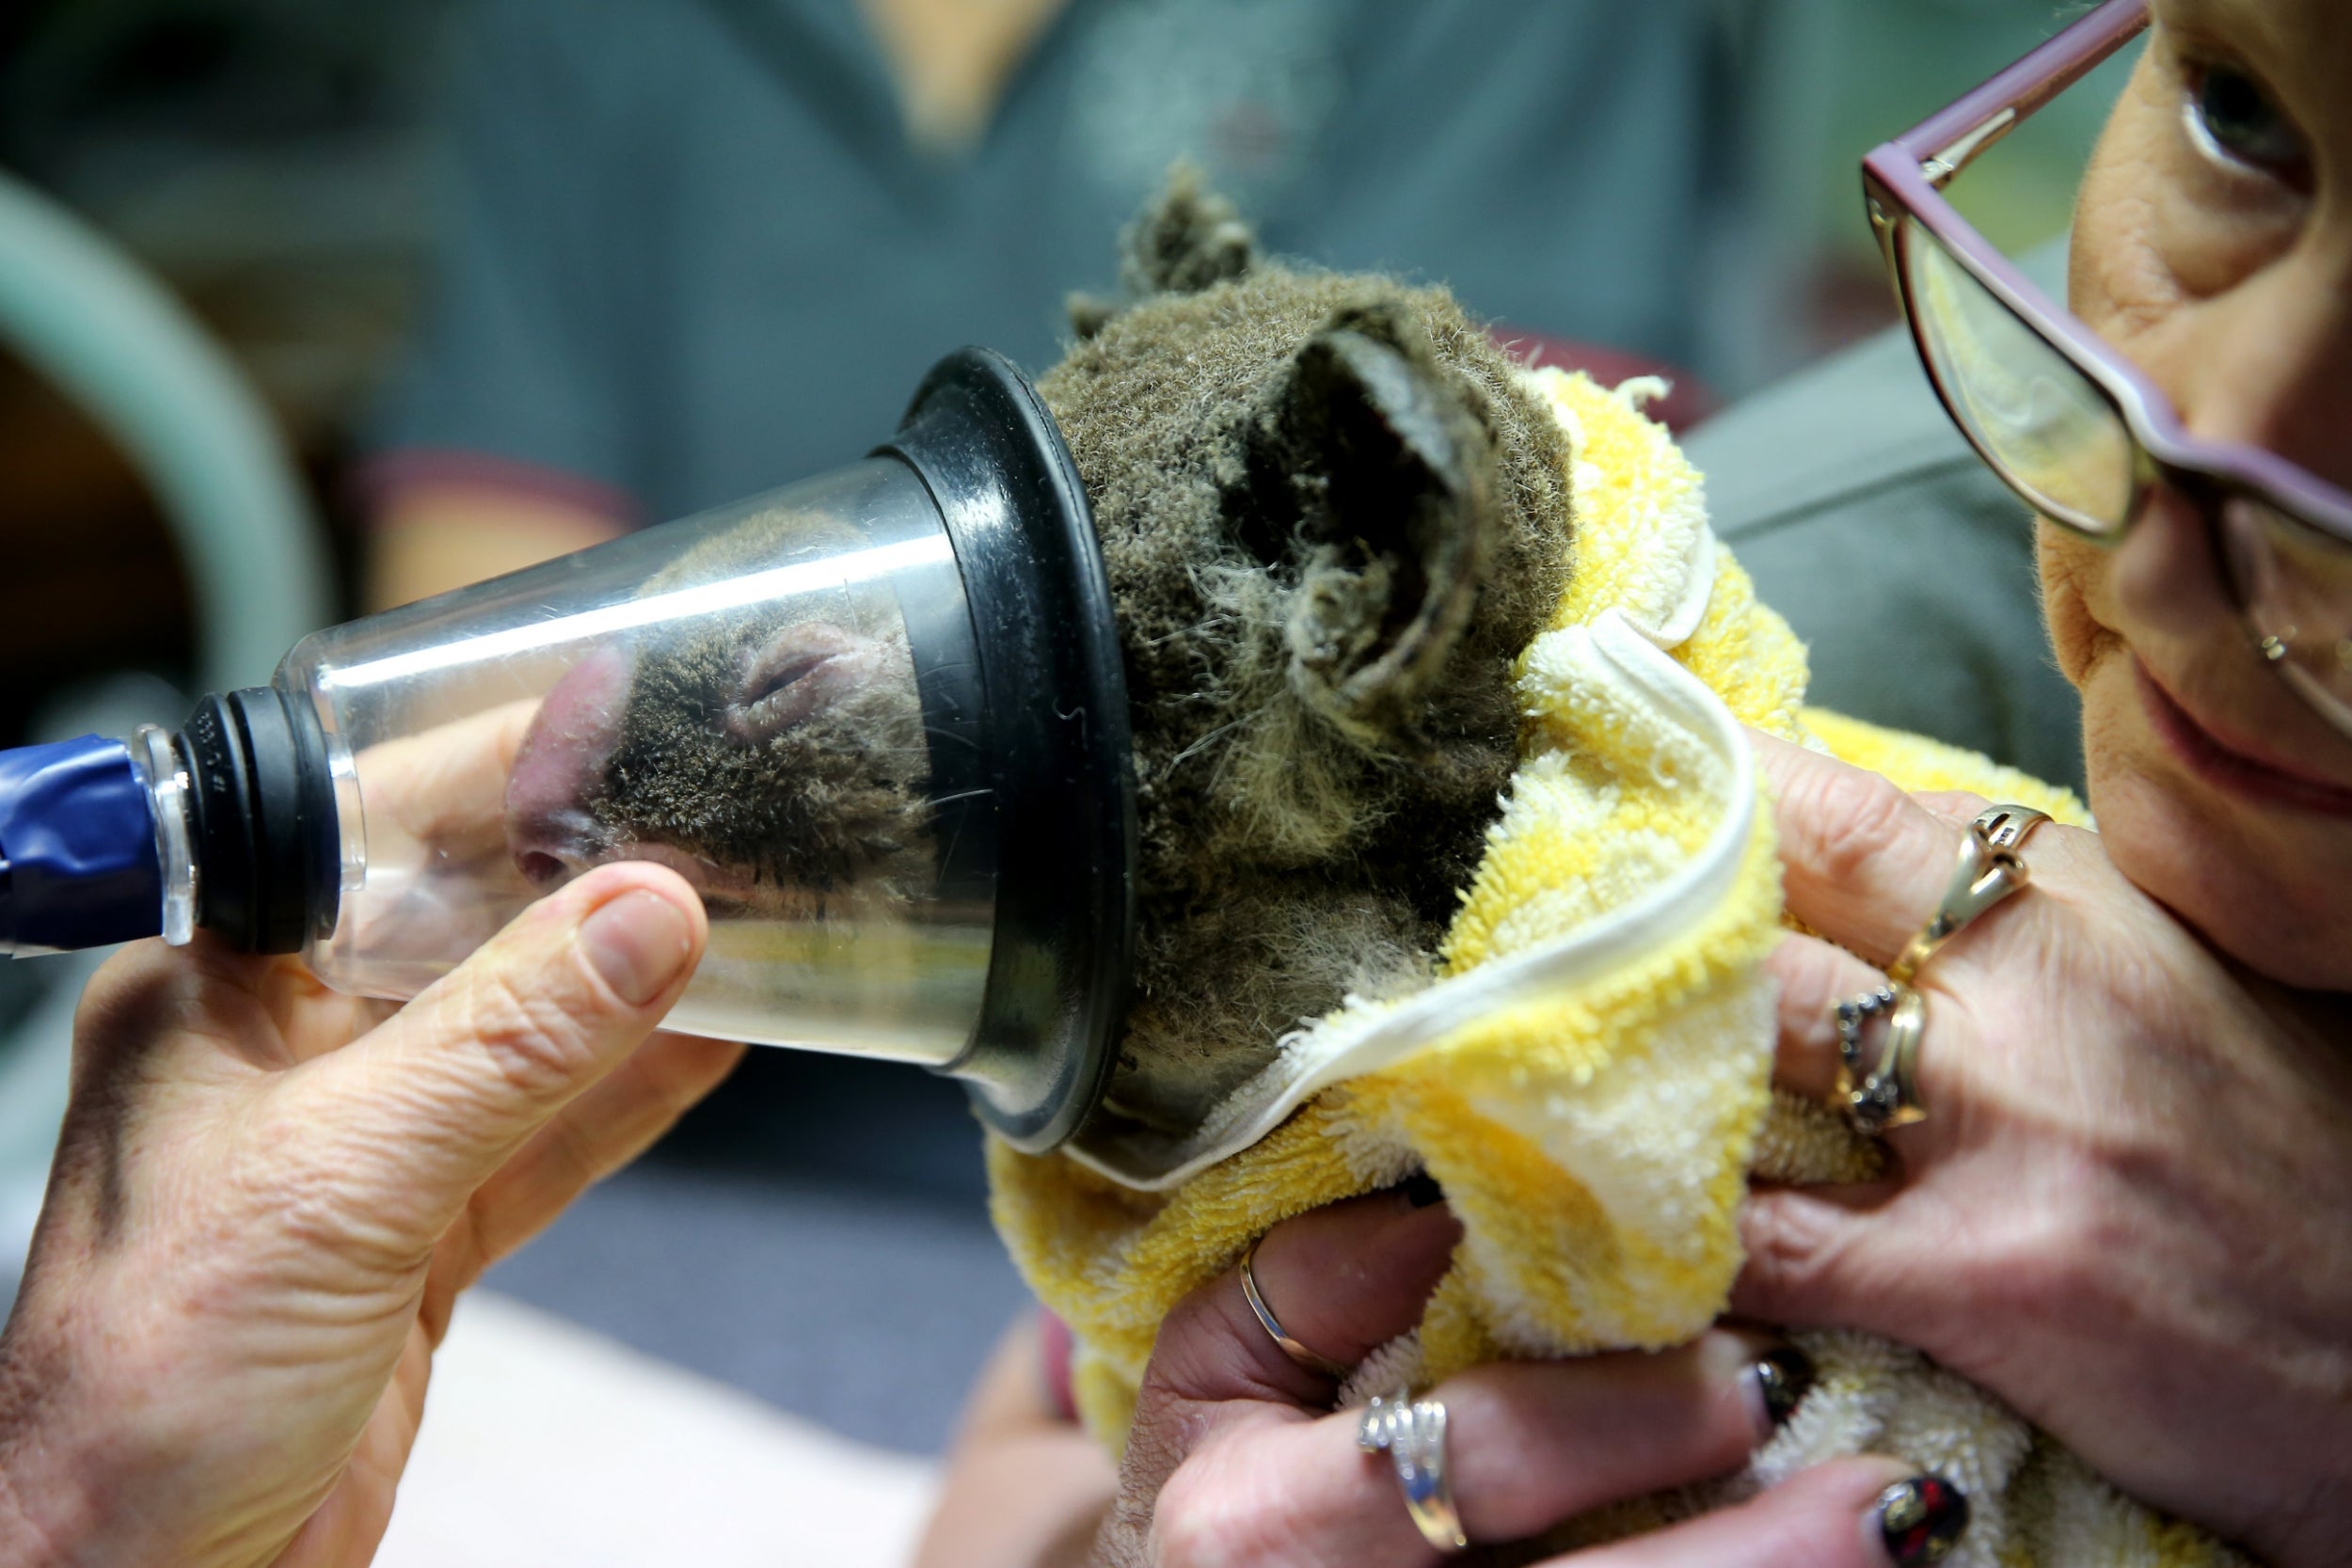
[1954, 137]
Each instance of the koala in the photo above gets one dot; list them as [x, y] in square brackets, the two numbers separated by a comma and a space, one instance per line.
[1329, 517]
[776, 766]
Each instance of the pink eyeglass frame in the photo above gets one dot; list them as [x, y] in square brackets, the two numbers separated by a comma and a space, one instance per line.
[1903, 179]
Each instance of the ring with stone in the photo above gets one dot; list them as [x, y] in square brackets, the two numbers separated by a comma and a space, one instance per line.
[1882, 1093]
[1411, 1432]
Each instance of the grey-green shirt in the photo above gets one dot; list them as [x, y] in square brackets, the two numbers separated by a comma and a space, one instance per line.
[1905, 566]
[690, 254]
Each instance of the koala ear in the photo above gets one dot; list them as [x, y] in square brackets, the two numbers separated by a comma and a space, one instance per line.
[1392, 471]
[1089, 314]
[1187, 240]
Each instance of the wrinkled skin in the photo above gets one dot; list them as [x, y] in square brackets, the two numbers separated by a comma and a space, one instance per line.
[2130, 1211]
[1329, 519]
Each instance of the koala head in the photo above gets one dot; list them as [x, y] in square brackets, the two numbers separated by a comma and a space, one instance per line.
[1330, 517]
[779, 765]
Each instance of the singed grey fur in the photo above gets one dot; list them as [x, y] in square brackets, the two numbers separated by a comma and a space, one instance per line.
[836, 800]
[1330, 517]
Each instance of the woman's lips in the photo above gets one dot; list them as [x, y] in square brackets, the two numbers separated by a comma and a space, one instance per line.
[2227, 767]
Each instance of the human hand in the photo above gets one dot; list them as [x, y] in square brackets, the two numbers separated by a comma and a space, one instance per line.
[2129, 1211]
[1024, 1486]
[1235, 1457]
[266, 1197]
[441, 871]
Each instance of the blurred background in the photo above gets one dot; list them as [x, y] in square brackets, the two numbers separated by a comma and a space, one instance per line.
[305, 308]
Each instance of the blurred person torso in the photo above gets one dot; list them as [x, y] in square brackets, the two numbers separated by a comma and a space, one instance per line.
[697, 248]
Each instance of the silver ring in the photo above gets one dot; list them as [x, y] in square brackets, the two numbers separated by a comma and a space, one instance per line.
[1322, 1366]
[1411, 1432]
[1886, 1094]
[2004, 827]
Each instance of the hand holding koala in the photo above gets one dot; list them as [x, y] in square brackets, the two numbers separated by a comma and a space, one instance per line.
[1592, 1139]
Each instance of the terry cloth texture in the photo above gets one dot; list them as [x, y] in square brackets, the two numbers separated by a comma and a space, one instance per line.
[1588, 1073]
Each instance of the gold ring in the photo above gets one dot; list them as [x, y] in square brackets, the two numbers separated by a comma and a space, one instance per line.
[1989, 869]
[2005, 827]
[1321, 1365]
[1886, 1095]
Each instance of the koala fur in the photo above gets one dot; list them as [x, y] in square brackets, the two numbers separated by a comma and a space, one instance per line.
[1331, 518]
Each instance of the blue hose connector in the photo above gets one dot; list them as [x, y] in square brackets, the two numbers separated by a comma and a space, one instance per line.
[229, 825]
[79, 865]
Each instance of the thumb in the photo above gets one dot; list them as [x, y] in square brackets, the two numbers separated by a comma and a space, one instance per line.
[421, 1111]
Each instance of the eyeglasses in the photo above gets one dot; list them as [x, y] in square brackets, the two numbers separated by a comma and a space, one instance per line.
[2071, 425]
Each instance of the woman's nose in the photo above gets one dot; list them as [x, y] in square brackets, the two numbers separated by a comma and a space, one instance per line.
[2168, 574]
[2269, 363]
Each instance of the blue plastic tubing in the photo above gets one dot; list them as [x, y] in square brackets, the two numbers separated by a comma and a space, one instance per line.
[78, 862]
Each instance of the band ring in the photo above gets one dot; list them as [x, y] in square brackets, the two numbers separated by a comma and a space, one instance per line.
[1886, 1094]
[2004, 827]
[1411, 1432]
[1882, 1094]
[1989, 868]
[1322, 1366]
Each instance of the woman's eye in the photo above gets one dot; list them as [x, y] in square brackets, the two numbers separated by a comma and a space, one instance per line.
[2233, 112]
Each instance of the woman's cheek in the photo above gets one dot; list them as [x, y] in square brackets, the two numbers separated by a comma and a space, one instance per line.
[2072, 584]
[2118, 275]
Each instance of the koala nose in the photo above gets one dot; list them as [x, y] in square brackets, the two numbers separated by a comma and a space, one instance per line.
[552, 851]
[559, 772]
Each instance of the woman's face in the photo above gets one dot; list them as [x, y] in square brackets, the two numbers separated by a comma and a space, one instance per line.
[2213, 244]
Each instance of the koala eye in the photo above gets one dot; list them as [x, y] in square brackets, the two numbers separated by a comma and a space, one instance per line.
[793, 676]
[2233, 117]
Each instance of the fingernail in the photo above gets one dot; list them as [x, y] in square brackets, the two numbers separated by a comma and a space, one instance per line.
[637, 942]
[1921, 1519]
[1420, 1190]
[1782, 1376]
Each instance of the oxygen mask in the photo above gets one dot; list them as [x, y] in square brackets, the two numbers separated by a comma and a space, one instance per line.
[877, 718]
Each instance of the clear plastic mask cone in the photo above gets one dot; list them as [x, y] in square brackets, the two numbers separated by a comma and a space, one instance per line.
[734, 696]
[877, 718]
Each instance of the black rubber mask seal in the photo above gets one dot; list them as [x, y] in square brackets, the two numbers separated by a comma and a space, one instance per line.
[261, 808]
[1058, 751]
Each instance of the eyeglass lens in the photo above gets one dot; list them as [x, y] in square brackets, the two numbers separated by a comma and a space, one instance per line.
[2296, 587]
[2045, 427]
[2057, 439]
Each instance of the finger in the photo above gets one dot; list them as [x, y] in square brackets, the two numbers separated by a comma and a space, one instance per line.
[312, 1017]
[1527, 1445]
[1954, 808]
[446, 786]
[1831, 1255]
[1564, 1437]
[1864, 863]
[1342, 1281]
[613, 1122]
[1866, 1513]
[413, 1117]
[1814, 976]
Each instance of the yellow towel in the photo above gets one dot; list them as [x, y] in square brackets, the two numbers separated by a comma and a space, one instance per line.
[1588, 1074]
